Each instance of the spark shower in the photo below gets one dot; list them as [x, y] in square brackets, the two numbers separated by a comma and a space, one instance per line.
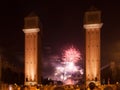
[67, 70]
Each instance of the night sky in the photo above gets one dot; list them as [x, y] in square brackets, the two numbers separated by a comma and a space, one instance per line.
[61, 25]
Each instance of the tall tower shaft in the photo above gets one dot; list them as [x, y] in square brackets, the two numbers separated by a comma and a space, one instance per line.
[0, 68]
[92, 26]
[31, 29]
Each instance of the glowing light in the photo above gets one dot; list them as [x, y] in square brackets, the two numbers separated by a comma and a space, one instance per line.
[71, 55]
[69, 82]
[67, 69]
[10, 87]
[81, 72]
[70, 67]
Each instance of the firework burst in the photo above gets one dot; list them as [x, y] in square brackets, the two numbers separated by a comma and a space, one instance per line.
[71, 55]
[67, 71]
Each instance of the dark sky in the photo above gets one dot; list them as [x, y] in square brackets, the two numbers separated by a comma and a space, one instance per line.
[62, 24]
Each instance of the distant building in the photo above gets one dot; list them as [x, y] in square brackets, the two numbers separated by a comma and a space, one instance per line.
[111, 73]
[9, 72]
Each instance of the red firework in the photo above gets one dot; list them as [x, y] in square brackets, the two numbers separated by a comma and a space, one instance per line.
[71, 55]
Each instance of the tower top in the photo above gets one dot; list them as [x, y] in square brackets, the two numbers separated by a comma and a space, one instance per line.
[92, 16]
[32, 14]
[31, 21]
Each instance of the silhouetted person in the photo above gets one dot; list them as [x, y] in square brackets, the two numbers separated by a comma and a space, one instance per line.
[92, 86]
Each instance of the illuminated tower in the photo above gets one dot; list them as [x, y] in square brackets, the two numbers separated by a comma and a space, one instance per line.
[31, 29]
[92, 25]
[0, 68]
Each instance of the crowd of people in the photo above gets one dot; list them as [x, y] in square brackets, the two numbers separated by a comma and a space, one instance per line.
[91, 86]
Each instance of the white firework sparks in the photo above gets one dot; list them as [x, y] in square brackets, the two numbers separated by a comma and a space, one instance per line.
[67, 68]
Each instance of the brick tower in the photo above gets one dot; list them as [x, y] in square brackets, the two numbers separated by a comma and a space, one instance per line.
[31, 29]
[92, 25]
